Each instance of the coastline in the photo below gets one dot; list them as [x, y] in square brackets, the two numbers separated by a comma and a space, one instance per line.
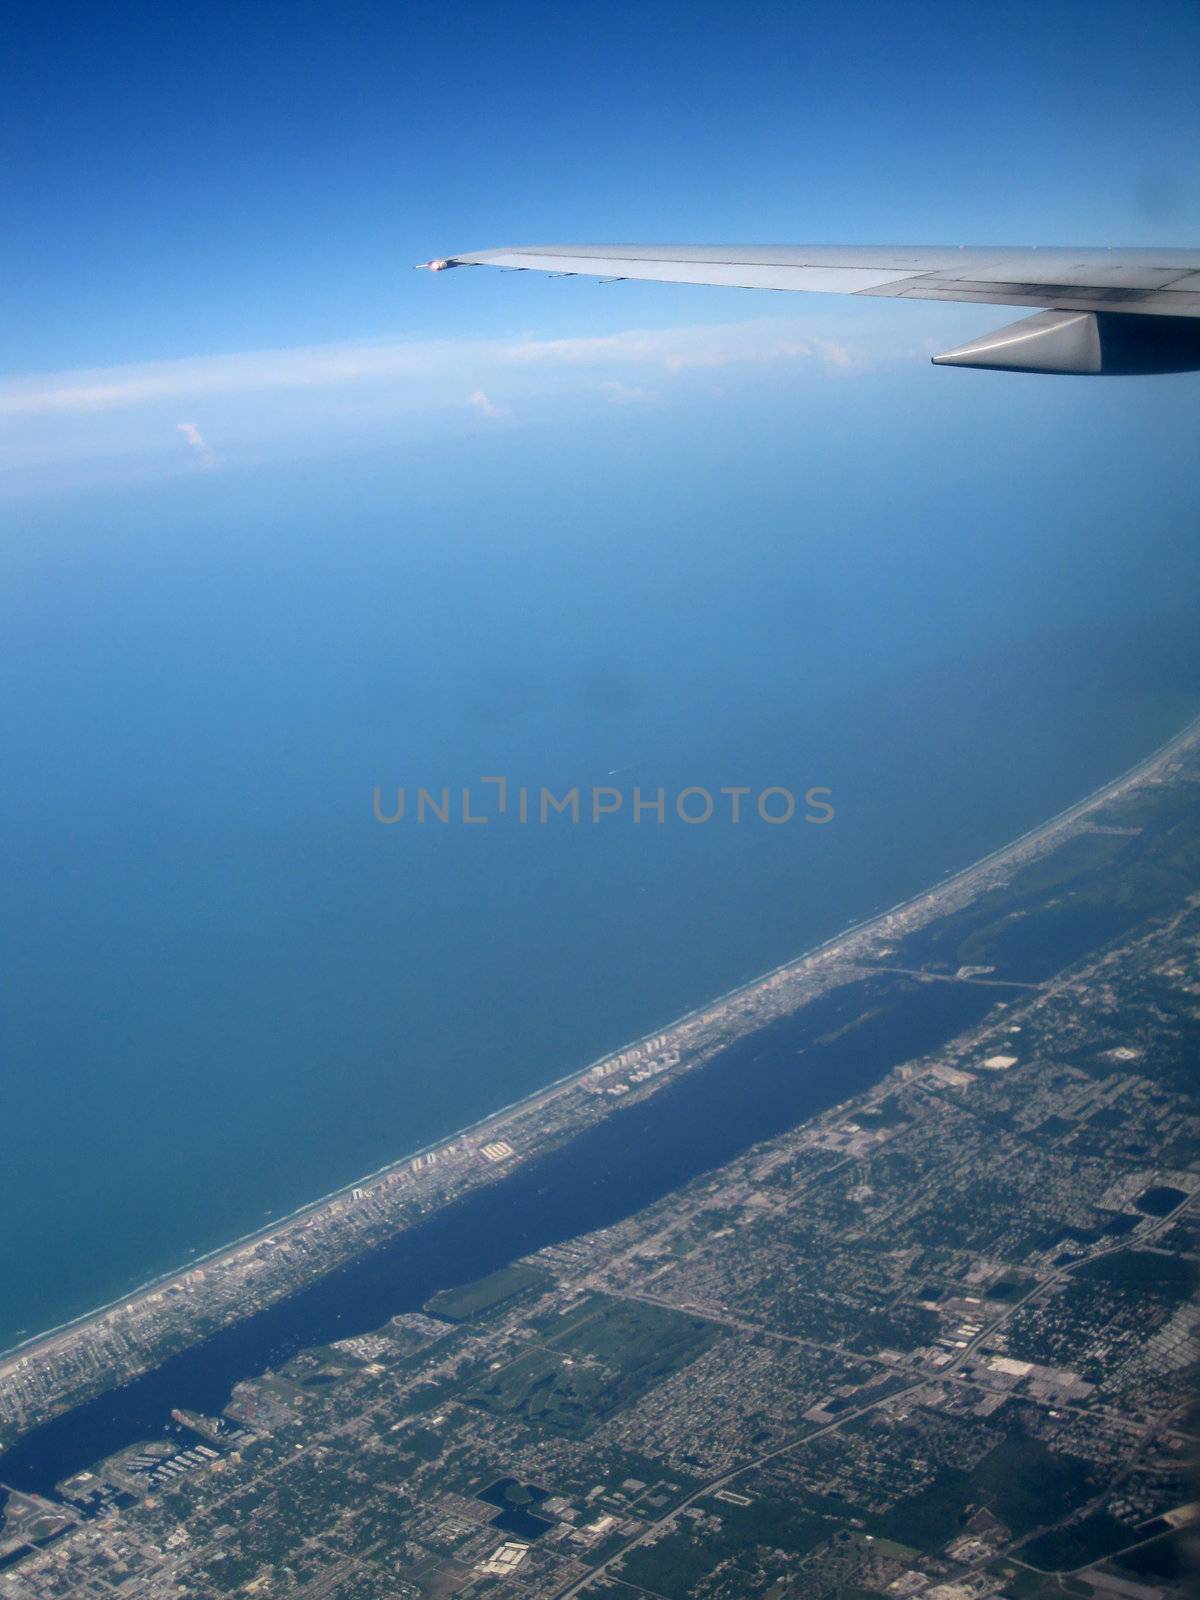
[823, 959]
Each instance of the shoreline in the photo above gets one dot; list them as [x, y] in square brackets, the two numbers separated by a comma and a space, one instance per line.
[15, 1356]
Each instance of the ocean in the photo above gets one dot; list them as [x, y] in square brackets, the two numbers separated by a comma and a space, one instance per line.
[229, 989]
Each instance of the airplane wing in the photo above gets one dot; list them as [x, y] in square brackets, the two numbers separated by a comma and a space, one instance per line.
[1101, 311]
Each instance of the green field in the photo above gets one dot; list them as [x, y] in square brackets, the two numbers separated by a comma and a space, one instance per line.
[674, 1565]
[1027, 1486]
[471, 1300]
[1020, 1482]
[1087, 891]
[1142, 1272]
[1170, 1558]
[594, 1361]
[1063, 1549]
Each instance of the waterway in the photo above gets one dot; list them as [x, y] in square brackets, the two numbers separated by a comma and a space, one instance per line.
[758, 1087]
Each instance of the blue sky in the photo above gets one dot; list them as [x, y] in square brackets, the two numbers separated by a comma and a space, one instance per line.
[189, 181]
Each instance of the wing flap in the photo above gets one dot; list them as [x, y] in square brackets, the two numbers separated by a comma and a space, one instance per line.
[1168, 302]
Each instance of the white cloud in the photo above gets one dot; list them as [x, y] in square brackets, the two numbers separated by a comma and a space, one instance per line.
[484, 406]
[624, 394]
[414, 363]
[327, 399]
[836, 356]
[205, 453]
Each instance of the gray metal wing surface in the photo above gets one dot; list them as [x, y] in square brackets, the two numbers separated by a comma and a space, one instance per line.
[1100, 311]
